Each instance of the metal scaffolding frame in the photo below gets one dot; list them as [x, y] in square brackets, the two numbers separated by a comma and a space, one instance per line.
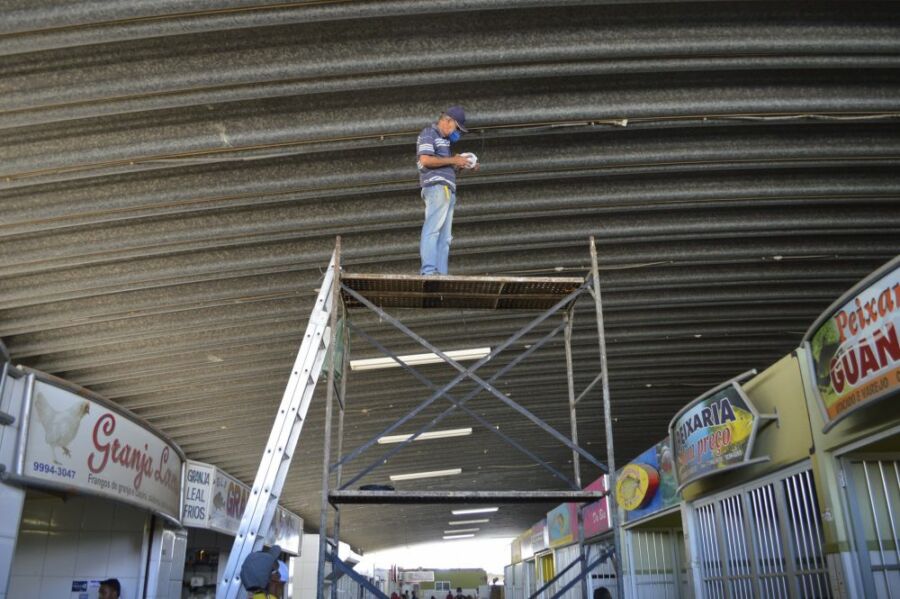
[387, 289]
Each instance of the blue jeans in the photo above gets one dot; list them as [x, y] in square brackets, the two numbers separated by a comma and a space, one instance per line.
[434, 248]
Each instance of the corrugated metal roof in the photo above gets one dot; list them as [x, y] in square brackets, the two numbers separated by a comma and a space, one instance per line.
[173, 175]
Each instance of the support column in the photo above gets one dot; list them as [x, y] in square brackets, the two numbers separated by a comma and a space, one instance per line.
[607, 417]
[329, 400]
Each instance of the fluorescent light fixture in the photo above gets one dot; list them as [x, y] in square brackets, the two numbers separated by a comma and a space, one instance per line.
[480, 510]
[450, 432]
[464, 522]
[418, 359]
[429, 474]
[460, 530]
[451, 537]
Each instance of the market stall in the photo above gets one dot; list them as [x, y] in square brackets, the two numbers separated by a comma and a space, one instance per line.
[850, 359]
[91, 491]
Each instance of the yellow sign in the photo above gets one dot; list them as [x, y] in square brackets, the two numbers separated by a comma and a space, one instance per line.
[636, 485]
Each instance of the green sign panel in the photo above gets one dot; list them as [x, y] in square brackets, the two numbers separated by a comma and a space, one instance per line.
[713, 434]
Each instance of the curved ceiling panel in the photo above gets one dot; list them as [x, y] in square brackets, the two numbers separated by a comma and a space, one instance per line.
[173, 175]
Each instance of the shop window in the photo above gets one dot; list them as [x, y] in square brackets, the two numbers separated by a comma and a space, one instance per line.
[762, 541]
[441, 585]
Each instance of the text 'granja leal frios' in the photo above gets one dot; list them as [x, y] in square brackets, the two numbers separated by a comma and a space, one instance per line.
[109, 449]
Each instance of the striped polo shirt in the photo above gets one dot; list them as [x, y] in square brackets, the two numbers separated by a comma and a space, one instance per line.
[431, 143]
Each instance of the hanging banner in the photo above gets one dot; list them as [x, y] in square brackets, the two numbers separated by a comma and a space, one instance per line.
[596, 515]
[417, 575]
[562, 522]
[713, 434]
[77, 443]
[854, 347]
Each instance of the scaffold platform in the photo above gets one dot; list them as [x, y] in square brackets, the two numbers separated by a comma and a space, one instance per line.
[455, 291]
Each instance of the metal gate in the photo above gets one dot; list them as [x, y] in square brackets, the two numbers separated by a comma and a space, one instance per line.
[763, 540]
[519, 581]
[655, 563]
[874, 489]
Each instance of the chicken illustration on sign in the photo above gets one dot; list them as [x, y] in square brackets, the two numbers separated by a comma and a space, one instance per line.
[60, 425]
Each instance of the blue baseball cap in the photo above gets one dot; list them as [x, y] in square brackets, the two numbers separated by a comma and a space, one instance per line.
[459, 115]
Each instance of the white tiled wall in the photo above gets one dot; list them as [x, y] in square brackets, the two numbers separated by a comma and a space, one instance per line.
[11, 502]
[79, 538]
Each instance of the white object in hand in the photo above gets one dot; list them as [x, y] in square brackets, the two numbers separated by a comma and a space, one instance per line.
[471, 159]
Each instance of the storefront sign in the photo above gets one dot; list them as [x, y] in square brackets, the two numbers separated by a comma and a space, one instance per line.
[636, 485]
[596, 515]
[76, 443]
[197, 485]
[712, 434]
[855, 347]
[516, 550]
[216, 500]
[417, 575]
[229, 498]
[286, 531]
[660, 459]
[525, 542]
[562, 523]
[539, 540]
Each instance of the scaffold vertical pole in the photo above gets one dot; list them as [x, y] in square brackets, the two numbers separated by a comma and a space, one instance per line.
[342, 404]
[329, 401]
[607, 417]
[569, 317]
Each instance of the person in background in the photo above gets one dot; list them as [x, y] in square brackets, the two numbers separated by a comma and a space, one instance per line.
[449, 595]
[459, 593]
[110, 589]
[437, 178]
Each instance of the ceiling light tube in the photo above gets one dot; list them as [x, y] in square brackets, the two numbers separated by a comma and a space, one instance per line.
[450, 432]
[480, 510]
[418, 359]
[429, 474]
[461, 530]
[463, 522]
[452, 537]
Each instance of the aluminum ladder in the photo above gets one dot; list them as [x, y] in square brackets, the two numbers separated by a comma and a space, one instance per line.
[279, 450]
